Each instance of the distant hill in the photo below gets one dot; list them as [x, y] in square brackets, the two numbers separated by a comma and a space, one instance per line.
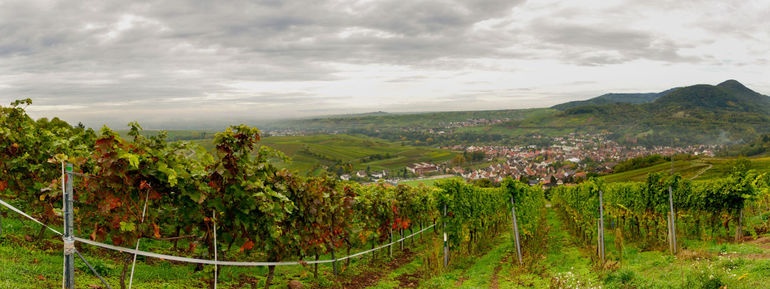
[730, 95]
[726, 113]
[610, 98]
[701, 114]
[385, 121]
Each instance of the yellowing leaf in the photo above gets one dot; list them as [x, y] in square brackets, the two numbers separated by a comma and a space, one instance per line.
[127, 226]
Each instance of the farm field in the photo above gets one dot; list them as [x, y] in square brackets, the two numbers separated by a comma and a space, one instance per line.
[309, 153]
[699, 169]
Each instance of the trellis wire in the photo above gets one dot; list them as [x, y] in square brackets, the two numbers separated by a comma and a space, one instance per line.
[210, 262]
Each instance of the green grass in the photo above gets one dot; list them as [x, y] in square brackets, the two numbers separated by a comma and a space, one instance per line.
[411, 120]
[721, 166]
[568, 264]
[472, 271]
[700, 264]
[717, 168]
[309, 153]
[687, 169]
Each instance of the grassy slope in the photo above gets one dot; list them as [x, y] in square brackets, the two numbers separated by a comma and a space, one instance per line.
[711, 168]
[412, 120]
[305, 152]
[686, 168]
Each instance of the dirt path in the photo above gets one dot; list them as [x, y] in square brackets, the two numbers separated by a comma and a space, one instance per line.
[495, 284]
[373, 275]
[701, 172]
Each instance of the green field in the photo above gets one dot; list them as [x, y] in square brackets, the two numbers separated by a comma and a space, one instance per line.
[398, 121]
[704, 169]
[310, 153]
[314, 152]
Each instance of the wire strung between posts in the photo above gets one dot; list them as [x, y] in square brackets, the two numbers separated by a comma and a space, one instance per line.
[210, 262]
[12, 208]
[133, 264]
[233, 263]
[92, 269]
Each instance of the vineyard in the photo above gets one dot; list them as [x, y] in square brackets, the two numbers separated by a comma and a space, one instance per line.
[232, 204]
[230, 209]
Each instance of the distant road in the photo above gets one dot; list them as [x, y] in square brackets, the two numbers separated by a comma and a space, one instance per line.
[701, 172]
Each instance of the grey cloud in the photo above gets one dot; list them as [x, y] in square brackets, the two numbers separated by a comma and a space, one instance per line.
[176, 54]
[83, 49]
[600, 44]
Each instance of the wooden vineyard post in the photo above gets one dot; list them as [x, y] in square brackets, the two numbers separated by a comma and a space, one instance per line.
[446, 248]
[601, 226]
[69, 240]
[672, 221]
[516, 231]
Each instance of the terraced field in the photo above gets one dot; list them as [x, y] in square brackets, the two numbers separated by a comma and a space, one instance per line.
[309, 153]
[699, 169]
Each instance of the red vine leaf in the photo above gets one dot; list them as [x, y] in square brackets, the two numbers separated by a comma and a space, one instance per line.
[248, 246]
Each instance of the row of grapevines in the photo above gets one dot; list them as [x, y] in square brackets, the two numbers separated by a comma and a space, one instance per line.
[472, 212]
[641, 209]
[30, 152]
[269, 213]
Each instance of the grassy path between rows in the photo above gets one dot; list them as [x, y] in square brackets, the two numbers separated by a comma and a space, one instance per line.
[563, 263]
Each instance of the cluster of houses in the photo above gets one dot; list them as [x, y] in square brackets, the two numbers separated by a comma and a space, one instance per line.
[569, 159]
[364, 175]
[474, 122]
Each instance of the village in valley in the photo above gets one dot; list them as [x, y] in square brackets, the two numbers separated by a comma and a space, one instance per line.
[569, 159]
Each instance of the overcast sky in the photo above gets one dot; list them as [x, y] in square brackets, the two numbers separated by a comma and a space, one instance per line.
[169, 63]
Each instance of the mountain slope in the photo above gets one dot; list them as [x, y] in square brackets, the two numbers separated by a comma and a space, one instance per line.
[700, 114]
[610, 98]
[726, 96]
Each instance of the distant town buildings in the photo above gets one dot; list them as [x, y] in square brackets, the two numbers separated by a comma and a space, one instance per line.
[422, 168]
[570, 158]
